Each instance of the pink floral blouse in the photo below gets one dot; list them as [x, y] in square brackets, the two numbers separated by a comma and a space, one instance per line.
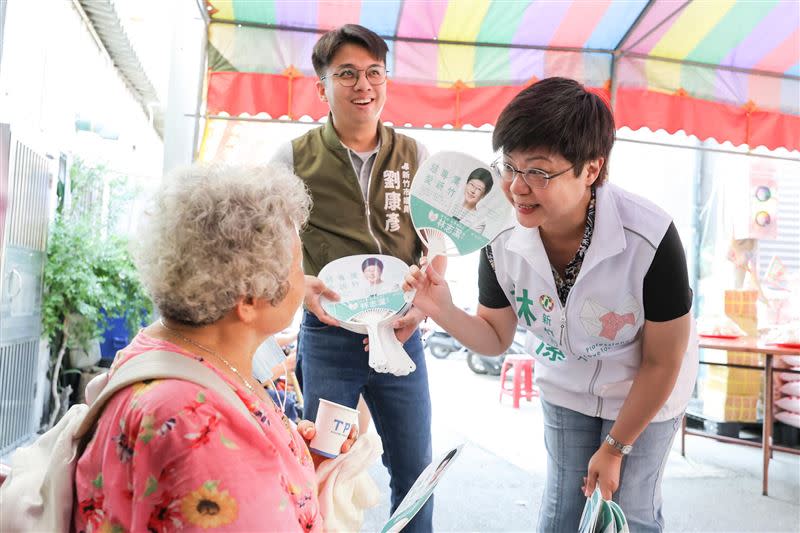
[170, 455]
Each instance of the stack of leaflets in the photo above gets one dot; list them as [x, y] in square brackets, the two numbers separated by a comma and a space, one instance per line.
[371, 298]
[602, 516]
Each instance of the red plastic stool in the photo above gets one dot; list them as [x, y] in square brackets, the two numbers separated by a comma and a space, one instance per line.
[523, 378]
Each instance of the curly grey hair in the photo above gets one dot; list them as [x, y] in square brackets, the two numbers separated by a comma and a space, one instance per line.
[217, 233]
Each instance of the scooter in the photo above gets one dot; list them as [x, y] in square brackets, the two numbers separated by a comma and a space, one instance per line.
[485, 364]
[440, 344]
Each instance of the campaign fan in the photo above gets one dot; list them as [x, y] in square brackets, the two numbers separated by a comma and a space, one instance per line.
[457, 205]
[371, 297]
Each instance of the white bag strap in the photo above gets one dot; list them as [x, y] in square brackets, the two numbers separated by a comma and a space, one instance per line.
[160, 364]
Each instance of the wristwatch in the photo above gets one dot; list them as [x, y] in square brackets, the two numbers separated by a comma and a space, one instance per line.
[624, 449]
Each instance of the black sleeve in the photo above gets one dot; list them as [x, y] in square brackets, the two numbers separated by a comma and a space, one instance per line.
[666, 292]
[490, 294]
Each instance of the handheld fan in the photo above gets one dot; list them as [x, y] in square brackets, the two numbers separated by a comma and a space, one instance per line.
[421, 490]
[457, 205]
[370, 299]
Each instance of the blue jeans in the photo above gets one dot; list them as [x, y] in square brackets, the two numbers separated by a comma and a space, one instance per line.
[335, 367]
[571, 438]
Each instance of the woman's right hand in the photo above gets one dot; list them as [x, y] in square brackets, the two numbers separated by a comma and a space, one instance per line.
[432, 292]
[314, 289]
[308, 430]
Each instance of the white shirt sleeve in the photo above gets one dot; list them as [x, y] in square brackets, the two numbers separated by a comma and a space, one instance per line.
[422, 153]
[284, 155]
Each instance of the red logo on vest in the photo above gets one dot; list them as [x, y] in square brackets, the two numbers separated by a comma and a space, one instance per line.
[612, 323]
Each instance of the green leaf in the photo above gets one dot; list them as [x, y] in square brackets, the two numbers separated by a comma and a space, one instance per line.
[201, 398]
[147, 435]
[148, 421]
[151, 487]
[211, 485]
[98, 481]
[88, 267]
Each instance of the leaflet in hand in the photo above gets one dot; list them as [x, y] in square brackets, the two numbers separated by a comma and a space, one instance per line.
[602, 516]
[420, 491]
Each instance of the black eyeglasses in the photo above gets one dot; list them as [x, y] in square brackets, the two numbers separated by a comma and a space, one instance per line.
[348, 77]
[535, 178]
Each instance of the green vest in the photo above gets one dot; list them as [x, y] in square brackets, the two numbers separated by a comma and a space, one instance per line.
[340, 223]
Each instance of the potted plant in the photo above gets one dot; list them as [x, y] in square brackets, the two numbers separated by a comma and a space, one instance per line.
[88, 269]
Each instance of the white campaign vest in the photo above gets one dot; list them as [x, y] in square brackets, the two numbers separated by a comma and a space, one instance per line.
[588, 351]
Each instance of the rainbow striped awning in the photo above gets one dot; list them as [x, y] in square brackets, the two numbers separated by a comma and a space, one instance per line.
[727, 69]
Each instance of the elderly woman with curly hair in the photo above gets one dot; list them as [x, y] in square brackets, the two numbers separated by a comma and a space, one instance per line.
[221, 258]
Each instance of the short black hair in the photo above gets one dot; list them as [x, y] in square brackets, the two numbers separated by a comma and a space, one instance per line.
[330, 42]
[372, 261]
[483, 175]
[560, 115]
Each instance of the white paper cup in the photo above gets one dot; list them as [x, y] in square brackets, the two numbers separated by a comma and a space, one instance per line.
[333, 424]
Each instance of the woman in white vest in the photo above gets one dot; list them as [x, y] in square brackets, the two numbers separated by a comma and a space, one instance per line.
[598, 277]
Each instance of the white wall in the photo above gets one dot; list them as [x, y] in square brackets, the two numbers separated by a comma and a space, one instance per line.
[185, 76]
[52, 72]
[663, 174]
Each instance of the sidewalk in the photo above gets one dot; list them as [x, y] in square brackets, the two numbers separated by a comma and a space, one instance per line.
[497, 483]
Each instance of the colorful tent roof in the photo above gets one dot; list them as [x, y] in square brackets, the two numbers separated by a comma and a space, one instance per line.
[725, 69]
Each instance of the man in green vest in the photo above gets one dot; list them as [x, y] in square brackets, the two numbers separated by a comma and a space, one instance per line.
[359, 174]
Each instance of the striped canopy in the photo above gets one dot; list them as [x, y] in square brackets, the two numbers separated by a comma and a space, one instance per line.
[725, 69]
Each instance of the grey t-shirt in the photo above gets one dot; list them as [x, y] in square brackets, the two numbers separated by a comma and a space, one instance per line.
[362, 161]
